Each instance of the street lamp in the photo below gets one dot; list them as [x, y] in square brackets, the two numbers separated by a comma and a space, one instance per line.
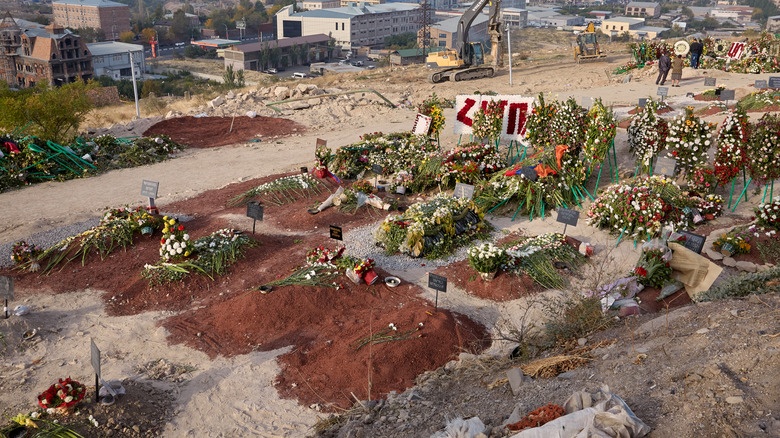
[226, 32]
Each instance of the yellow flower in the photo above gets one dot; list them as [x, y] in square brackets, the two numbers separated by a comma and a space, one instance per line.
[186, 253]
[172, 222]
[165, 218]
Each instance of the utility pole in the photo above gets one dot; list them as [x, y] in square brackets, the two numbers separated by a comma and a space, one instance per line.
[425, 26]
[509, 49]
[135, 87]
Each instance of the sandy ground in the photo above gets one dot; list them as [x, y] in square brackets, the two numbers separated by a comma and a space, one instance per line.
[234, 397]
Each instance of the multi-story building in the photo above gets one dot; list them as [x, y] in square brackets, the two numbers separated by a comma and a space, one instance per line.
[344, 3]
[311, 48]
[444, 34]
[514, 18]
[351, 26]
[643, 9]
[321, 4]
[634, 26]
[31, 53]
[112, 59]
[773, 23]
[111, 17]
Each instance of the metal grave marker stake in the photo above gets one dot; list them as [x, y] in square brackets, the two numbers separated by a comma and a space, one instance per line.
[96, 366]
[335, 233]
[6, 292]
[149, 190]
[463, 191]
[437, 283]
[662, 91]
[709, 82]
[255, 211]
[568, 217]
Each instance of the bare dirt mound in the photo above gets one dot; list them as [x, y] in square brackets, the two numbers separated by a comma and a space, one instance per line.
[209, 132]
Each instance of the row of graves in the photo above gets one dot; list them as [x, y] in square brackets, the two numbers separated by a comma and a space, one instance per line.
[297, 280]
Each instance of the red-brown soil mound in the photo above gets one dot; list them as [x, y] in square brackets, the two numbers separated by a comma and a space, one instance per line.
[209, 132]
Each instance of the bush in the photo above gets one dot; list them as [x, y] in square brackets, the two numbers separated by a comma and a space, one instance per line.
[572, 317]
[741, 286]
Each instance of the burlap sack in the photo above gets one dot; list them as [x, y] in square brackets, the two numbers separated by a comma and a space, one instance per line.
[693, 270]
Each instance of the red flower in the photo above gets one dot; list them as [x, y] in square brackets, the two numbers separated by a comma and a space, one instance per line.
[640, 271]
[181, 227]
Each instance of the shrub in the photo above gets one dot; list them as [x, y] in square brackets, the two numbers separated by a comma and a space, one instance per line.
[741, 286]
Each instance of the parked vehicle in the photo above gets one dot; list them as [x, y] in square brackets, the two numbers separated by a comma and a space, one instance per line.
[299, 75]
[272, 71]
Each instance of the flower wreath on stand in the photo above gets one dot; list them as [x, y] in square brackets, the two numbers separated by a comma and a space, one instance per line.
[733, 137]
[62, 395]
[763, 151]
[487, 123]
[647, 136]
[601, 129]
[539, 124]
[433, 107]
[689, 141]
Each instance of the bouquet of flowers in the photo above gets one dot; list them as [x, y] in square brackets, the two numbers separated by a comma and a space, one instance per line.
[363, 186]
[175, 243]
[322, 254]
[432, 228]
[23, 252]
[363, 266]
[701, 180]
[487, 121]
[711, 204]
[539, 123]
[569, 125]
[323, 155]
[62, 395]
[763, 150]
[647, 136]
[653, 268]
[733, 137]
[536, 257]
[280, 191]
[768, 214]
[469, 164]
[641, 208]
[689, 141]
[601, 129]
[733, 243]
[433, 107]
[486, 258]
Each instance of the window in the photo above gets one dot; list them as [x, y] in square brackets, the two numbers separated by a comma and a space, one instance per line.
[337, 26]
[342, 26]
[442, 35]
[621, 27]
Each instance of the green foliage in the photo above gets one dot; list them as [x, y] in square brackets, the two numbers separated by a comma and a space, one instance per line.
[194, 52]
[572, 317]
[741, 286]
[406, 40]
[90, 34]
[53, 113]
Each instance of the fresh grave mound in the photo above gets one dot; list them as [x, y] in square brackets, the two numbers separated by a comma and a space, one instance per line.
[505, 287]
[326, 327]
[208, 132]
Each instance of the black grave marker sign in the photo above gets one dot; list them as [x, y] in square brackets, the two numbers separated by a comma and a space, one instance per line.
[665, 166]
[255, 211]
[642, 102]
[726, 95]
[774, 82]
[568, 217]
[439, 284]
[335, 233]
[709, 82]
[377, 169]
[463, 191]
[761, 84]
[694, 242]
[529, 172]
[6, 292]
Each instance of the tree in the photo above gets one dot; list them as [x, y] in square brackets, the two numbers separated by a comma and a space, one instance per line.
[40, 19]
[295, 53]
[406, 40]
[674, 32]
[229, 77]
[194, 52]
[150, 86]
[240, 80]
[274, 56]
[180, 25]
[57, 112]
[148, 34]
[127, 37]
[687, 12]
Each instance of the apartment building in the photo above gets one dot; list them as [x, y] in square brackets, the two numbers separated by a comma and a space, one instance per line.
[643, 9]
[111, 17]
[359, 24]
[112, 59]
[31, 53]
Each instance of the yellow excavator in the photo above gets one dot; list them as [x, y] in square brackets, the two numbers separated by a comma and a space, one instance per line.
[467, 60]
[587, 46]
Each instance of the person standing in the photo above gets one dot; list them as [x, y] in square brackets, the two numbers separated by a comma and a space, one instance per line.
[664, 64]
[677, 68]
[697, 48]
